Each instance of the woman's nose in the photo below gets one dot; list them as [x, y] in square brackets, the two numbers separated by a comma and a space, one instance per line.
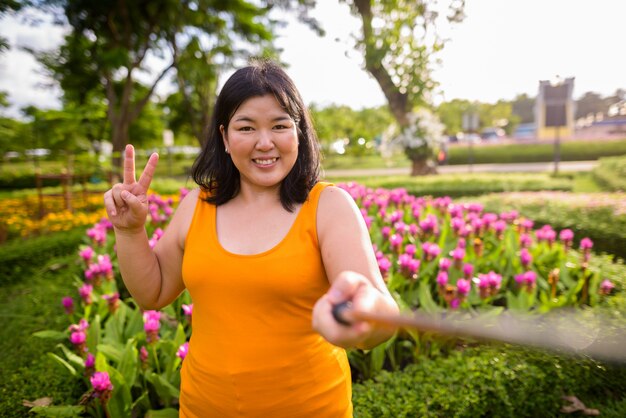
[264, 140]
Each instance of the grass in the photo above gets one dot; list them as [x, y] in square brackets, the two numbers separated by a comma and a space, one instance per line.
[30, 305]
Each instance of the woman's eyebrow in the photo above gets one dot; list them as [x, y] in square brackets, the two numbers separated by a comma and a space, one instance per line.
[244, 118]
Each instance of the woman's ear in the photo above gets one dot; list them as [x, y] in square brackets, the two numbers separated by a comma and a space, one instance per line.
[224, 138]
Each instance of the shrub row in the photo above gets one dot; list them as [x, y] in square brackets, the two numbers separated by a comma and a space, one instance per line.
[536, 152]
[610, 173]
[20, 257]
[489, 381]
[457, 185]
[601, 217]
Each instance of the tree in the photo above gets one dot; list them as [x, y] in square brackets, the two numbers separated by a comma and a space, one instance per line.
[523, 107]
[398, 42]
[334, 123]
[111, 40]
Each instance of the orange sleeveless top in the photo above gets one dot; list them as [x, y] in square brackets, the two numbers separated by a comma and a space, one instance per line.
[253, 352]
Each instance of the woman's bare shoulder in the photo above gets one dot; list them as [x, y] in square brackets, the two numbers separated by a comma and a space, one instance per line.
[335, 206]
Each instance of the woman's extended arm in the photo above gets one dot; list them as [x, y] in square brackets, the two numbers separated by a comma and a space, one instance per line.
[152, 277]
[352, 269]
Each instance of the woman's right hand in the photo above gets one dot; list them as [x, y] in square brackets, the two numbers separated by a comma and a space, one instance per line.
[127, 203]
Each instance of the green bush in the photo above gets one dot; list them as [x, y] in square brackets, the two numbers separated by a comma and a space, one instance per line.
[473, 184]
[610, 173]
[536, 152]
[19, 258]
[599, 216]
[488, 381]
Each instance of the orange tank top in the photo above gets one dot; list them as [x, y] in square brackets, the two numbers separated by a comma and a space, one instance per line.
[253, 352]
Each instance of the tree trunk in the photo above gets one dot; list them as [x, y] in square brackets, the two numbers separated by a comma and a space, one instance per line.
[119, 140]
[423, 167]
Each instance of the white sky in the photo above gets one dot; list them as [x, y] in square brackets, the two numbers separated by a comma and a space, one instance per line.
[502, 48]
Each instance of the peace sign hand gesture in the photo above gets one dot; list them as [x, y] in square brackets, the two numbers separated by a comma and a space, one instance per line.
[127, 203]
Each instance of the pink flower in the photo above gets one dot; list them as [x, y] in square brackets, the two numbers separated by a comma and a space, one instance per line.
[85, 293]
[396, 241]
[525, 257]
[499, 227]
[408, 265]
[442, 278]
[431, 250]
[468, 270]
[586, 244]
[384, 265]
[86, 254]
[527, 279]
[183, 350]
[143, 354]
[410, 249]
[78, 337]
[151, 325]
[90, 361]
[489, 284]
[566, 235]
[525, 240]
[444, 264]
[101, 384]
[113, 301]
[606, 287]
[68, 305]
[463, 287]
[188, 309]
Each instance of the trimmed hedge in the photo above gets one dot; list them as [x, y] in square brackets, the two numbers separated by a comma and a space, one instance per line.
[610, 173]
[21, 257]
[536, 151]
[473, 184]
[489, 381]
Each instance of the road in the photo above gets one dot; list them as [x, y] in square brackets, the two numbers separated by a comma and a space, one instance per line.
[475, 168]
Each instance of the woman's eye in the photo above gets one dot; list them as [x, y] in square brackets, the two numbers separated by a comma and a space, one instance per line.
[245, 128]
[281, 127]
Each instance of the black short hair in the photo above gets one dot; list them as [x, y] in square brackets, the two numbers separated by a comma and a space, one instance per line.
[213, 169]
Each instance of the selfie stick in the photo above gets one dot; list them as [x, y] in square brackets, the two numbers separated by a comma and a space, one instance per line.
[563, 331]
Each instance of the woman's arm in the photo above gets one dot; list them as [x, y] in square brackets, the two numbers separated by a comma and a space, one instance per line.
[153, 278]
[353, 272]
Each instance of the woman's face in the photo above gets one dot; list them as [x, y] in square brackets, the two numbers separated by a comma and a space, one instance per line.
[262, 141]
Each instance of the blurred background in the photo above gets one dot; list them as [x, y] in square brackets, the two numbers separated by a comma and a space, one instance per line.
[79, 80]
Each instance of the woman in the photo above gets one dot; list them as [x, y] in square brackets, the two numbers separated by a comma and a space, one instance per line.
[265, 251]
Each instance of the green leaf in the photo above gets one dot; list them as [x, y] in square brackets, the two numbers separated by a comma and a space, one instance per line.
[162, 413]
[128, 365]
[93, 334]
[164, 388]
[112, 353]
[377, 358]
[59, 411]
[73, 357]
[51, 335]
[425, 298]
[63, 363]
[121, 399]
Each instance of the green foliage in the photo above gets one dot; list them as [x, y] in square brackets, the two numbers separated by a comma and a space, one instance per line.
[611, 173]
[21, 258]
[338, 122]
[599, 216]
[535, 152]
[496, 381]
[456, 185]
